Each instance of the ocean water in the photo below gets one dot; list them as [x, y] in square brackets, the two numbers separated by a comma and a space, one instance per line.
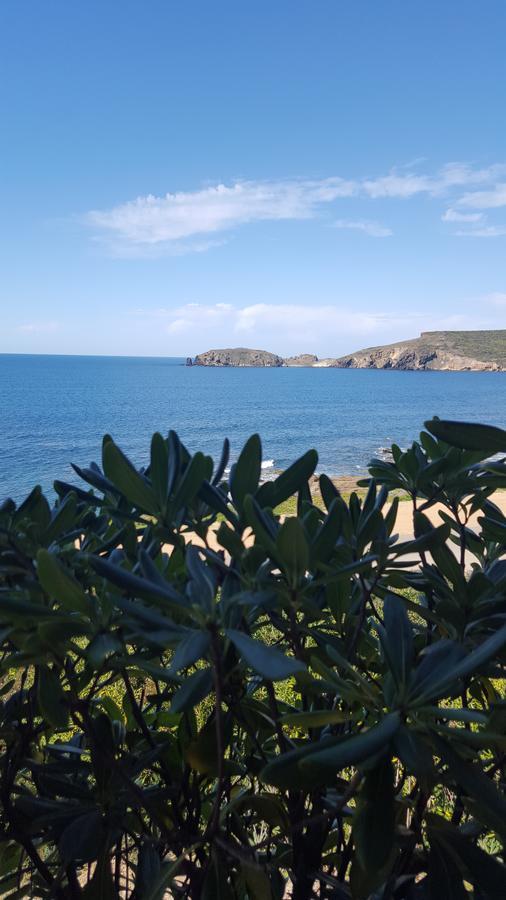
[55, 409]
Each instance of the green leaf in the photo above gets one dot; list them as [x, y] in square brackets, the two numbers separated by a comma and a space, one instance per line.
[135, 586]
[315, 718]
[222, 465]
[326, 538]
[272, 493]
[472, 662]
[292, 548]
[159, 468]
[285, 771]
[413, 752]
[245, 473]
[444, 875]
[192, 691]
[126, 477]
[354, 750]
[217, 501]
[397, 639]
[192, 647]
[103, 645]
[488, 802]
[269, 662]
[58, 582]
[83, 839]
[469, 435]
[435, 669]
[62, 519]
[264, 528]
[328, 491]
[51, 699]
[198, 470]
[374, 821]
[482, 869]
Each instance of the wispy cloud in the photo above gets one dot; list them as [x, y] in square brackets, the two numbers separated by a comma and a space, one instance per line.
[373, 229]
[453, 215]
[183, 221]
[485, 199]
[484, 231]
[150, 220]
[450, 176]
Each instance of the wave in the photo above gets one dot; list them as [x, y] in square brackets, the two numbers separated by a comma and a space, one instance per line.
[265, 464]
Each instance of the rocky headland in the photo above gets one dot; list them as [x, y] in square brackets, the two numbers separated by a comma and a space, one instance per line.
[457, 351]
[239, 356]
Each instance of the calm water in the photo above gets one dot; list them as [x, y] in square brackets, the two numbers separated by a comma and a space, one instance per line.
[55, 409]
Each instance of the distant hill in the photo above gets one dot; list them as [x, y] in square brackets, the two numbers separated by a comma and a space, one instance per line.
[442, 350]
[239, 356]
[457, 351]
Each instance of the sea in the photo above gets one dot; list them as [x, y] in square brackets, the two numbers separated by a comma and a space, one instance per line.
[54, 410]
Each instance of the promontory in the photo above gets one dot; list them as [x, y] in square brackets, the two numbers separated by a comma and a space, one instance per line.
[457, 351]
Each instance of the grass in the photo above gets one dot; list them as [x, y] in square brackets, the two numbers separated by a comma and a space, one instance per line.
[487, 346]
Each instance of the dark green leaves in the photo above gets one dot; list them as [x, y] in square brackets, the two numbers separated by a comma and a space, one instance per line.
[469, 435]
[127, 479]
[397, 640]
[328, 762]
[245, 473]
[52, 699]
[289, 482]
[292, 549]
[374, 820]
[60, 584]
[267, 661]
[158, 666]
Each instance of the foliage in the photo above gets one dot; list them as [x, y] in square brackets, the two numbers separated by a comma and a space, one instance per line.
[256, 707]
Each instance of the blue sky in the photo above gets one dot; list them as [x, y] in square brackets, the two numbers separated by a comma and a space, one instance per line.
[296, 176]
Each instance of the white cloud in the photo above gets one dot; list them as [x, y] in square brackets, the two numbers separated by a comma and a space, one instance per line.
[373, 229]
[485, 199]
[453, 215]
[179, 222]
[486, 231]
[38, 327]
[150, 220]
[450, 176]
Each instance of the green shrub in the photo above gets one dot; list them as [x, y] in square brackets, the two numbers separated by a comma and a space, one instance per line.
[315, 713]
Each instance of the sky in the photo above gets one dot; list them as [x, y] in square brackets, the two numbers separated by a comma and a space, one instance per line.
[292, 176]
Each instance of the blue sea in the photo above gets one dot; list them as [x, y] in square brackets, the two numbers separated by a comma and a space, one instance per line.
[55, 409]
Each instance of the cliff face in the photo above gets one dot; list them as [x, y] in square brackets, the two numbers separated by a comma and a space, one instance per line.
[478, 351]
[240, 356]
[458, 351]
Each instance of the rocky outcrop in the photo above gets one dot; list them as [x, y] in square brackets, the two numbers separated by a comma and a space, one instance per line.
[441, 351]
[457, 351]
[239, 356]
[304, 359]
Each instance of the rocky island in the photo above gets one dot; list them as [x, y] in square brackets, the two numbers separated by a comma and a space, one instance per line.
[239, 356]
[457, 351]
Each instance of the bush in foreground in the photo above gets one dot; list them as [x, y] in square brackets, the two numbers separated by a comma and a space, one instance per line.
[316, 711]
